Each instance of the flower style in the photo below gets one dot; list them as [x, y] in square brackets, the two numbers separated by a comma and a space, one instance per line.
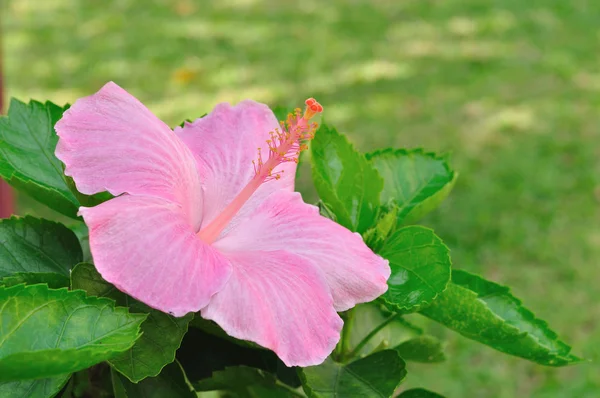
[202, 222]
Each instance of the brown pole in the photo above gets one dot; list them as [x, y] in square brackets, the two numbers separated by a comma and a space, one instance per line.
[6, 195]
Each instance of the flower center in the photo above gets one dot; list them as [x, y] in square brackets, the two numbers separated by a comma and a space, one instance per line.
[284, 145]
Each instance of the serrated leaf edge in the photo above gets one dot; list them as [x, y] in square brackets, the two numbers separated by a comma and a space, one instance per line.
[573, 359]
[411, 151]
[16, 176]
[168, 363]
[134, 380]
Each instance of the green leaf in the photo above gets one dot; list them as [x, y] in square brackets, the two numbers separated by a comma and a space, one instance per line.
[375, 237]
[54, 281]
[414, 180]
[162, 333]
[244, 381]
[377, 375]
[367, 317]
[426, 349]
[38, 388]
[27, 161]
[325, 211]
[169, 383]
[419, 393]
[345, 181]
[78, 331]
[118, 384]
[33, 245]
[486, 312]
[420, 264]
[282, 112]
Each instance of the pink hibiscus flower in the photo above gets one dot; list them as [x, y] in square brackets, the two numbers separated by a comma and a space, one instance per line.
[202, 222]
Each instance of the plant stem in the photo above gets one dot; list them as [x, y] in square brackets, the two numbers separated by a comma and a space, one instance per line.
[418, 330]
[369, 337]
[345, 338]
[289, 389]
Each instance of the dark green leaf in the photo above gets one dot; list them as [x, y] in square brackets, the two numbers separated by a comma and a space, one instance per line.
[377, 375]
[118, 384]
[85, 277]
[186, 121]
[426, 349]
[416, 181]
[89, 200]
[169, 383]
[244, 381]
[234, 378]
[83, 234]
[201, 354]
[486, 312]
[39, 388]
[419, 393]
[32, 245]
[94, 382]
[214, 329]
[162, 333]
[189, 121]
[78, 331]
[420, 264]
[54, 281]
[346, 182]
[27, 161]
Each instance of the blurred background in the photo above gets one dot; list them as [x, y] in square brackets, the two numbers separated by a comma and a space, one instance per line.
[511, 88]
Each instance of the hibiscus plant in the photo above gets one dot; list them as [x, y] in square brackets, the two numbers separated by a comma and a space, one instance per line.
[185, 261]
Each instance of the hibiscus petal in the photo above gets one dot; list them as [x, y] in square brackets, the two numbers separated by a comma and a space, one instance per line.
[146, 248]
[280, 301]
[110, 141]
[284, 222]
[225, 142]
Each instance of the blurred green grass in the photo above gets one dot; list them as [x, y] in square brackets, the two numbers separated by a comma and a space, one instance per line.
[511, 88]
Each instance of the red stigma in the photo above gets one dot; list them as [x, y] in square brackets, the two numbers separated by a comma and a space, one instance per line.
[312, 108]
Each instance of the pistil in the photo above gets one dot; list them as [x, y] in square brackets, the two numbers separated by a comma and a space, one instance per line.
[285, 145]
